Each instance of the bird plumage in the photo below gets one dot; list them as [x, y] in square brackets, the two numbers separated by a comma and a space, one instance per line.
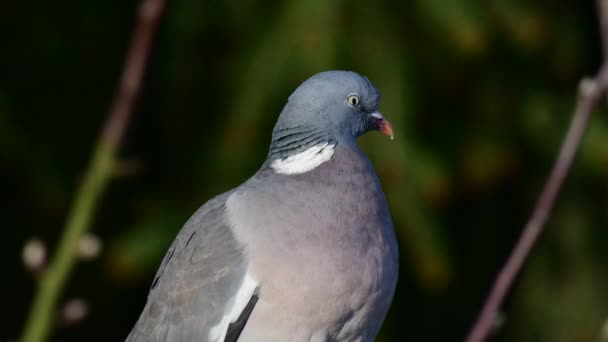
[302, 256]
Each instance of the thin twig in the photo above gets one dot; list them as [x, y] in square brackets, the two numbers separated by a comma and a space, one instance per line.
[602, 7]
[602, 10]
[98, 174]
[590, 92]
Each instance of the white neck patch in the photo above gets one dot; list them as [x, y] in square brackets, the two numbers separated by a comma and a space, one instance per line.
[305, 160]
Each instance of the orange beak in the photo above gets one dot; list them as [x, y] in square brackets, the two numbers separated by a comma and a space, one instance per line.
[383, 125]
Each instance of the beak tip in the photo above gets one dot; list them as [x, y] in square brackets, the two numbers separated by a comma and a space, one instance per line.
[382, 125]
[387, 129]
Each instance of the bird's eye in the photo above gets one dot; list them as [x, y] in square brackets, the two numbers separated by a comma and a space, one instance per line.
[352, 100]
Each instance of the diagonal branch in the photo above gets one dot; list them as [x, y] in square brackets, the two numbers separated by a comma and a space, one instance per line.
[97, 176]
[590, 92]
[602, 7]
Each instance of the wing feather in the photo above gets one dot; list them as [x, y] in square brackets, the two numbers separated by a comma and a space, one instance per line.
[199, 276]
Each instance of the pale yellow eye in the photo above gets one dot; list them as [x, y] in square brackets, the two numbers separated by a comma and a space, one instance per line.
[352, 100]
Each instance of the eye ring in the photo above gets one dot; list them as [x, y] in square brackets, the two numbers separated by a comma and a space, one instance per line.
[353, 100]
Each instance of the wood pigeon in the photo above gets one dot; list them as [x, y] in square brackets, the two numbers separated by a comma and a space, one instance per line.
[304, 250]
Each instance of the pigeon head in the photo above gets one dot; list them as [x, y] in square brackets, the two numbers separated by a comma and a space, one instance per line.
[332, 107]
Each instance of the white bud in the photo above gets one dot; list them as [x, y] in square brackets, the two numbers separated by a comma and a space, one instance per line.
[34, 254]
[89, 246]
[604, 337]
[74, 310]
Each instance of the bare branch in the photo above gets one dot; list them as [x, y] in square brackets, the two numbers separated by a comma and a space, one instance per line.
[602, 6]
[150, 13]
[590, 92]
[96, 178]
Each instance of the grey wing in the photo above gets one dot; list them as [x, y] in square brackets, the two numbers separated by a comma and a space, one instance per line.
[196, 282]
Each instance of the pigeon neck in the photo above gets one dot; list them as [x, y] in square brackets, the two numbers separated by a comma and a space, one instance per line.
[300, 149]
[287, 142]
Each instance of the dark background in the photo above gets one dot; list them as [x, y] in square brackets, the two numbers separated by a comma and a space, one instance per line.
[480, 94]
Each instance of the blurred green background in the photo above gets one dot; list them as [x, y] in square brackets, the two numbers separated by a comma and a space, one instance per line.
[480, 94]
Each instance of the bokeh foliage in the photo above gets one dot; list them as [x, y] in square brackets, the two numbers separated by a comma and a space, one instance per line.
[480, 94]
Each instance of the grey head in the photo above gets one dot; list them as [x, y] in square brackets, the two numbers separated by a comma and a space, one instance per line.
[332, 107]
